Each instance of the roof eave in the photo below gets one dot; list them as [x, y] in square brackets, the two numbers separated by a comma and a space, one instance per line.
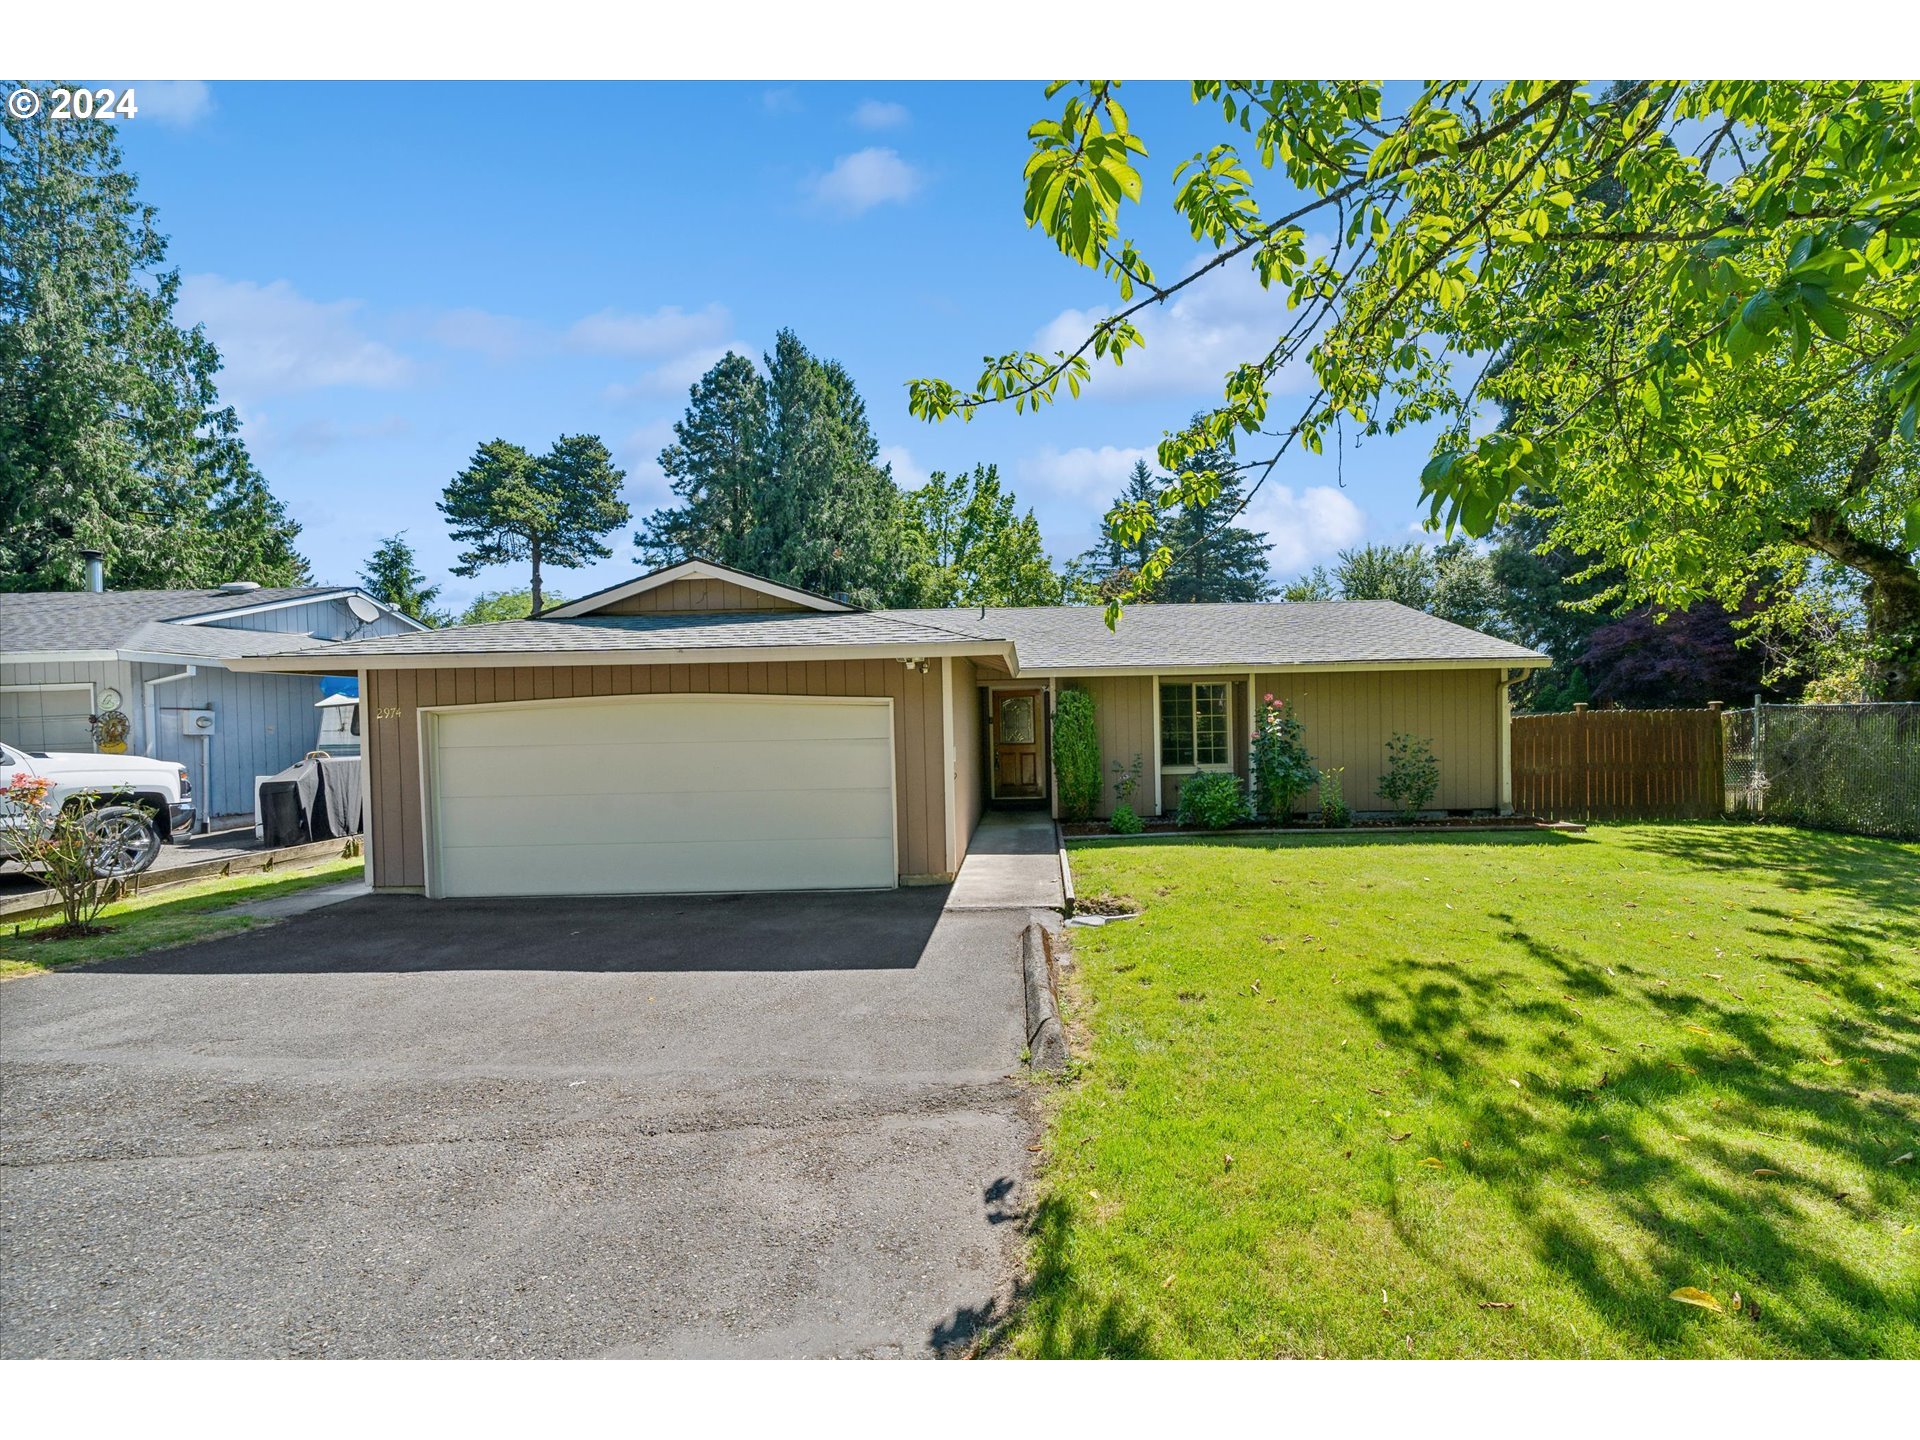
[1240, 667]
[332, 662]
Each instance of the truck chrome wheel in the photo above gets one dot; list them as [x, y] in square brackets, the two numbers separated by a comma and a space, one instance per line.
[124, 841]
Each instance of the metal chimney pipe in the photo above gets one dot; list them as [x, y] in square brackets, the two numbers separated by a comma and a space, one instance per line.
[96, 569]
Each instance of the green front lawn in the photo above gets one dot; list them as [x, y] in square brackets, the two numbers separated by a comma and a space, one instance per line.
[162, 919]
[1489, 1095]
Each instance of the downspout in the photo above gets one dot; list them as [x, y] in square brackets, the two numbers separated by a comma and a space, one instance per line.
[1159, 806]
[1505, 799]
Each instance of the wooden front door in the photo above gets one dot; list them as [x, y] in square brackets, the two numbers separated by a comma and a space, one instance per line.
[1018, 720]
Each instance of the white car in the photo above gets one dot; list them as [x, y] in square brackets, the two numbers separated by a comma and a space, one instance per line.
[136, 804]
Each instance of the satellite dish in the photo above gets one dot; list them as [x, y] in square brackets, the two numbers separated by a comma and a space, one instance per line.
[364, 610]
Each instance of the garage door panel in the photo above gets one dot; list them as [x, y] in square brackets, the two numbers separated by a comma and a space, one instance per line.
[649, 794]
[705, 866]
[666, 819]
[669, 720]
[640, 768]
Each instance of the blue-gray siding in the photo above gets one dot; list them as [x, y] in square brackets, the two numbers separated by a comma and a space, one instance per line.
[263, 723]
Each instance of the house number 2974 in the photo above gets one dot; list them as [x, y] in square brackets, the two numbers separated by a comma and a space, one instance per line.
[387, 712]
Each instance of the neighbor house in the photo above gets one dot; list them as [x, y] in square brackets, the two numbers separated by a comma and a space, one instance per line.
[700, 728]
[167, 660]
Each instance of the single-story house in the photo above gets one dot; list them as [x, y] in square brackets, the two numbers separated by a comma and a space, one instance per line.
[168, 660]
[703, 729]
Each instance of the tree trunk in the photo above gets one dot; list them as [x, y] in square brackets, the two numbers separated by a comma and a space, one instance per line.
[533, 545]
[1892, 601]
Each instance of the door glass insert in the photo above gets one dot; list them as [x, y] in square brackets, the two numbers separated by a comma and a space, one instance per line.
[1016, 720]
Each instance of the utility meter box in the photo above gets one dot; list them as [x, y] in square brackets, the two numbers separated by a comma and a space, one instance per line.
[196, 722]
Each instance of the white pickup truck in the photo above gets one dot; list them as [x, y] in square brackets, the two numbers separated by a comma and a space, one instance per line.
[135, 803]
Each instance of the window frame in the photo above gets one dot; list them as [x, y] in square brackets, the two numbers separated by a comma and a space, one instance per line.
[1192, 764]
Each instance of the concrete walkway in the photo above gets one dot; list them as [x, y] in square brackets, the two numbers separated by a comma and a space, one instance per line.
[300, 902]
[1012, 864]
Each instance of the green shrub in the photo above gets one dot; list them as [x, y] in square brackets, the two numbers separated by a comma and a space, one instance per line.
[1334, 813]
[1212, 800]
[1125, 822]
[1282, 768]
[1413, 775]
[1076, 754]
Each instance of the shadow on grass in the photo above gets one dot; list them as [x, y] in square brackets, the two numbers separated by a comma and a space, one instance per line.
[1065, 1320]
[1630, 1147]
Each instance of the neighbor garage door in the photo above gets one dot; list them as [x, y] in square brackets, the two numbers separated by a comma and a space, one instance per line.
[661, 794]
[47, 717]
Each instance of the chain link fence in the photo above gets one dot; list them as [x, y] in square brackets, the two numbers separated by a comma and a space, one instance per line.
[1832, 767]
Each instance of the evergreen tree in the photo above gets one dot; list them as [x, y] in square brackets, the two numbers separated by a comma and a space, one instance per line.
[831, 521]
[391, 577]
[112, 434]
[717, 467]
[780, 475]
[1140, 488]
[507, 506]
[1213, 559]
[1553, 599]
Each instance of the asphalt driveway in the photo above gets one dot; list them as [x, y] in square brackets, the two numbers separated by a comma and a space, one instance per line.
[698, 1126]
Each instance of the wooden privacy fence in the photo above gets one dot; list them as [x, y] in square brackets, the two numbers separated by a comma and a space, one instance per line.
[1619, 765]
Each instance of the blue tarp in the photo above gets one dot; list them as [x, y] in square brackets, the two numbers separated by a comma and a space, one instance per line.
[332, 685]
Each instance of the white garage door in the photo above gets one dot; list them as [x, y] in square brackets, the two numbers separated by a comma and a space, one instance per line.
[47, 717]
[661, 794]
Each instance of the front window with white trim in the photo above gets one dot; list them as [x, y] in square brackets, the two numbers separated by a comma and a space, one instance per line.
[1194, 733]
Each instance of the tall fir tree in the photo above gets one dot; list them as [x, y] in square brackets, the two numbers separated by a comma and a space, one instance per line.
[555, 510]
[717, 466]
[112, 432]
[1212, 558]
[778, 473]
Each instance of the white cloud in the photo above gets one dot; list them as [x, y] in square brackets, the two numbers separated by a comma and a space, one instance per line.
[781, 101]
[179, 103]
[671, 377]
[1192, 341]
[907, 473]
[1304, 527]
[274, 340]
[864, 179]
[666, 331]
[880, 115]
[1081, 473]
[498, 337]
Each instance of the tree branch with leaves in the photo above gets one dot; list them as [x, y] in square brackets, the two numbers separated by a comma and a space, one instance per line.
[1702, 295]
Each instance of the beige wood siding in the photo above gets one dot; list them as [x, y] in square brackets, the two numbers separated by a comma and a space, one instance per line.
[1123, 716]
[968, 781]
[1349, 716]
[695, 597]
[393, 699]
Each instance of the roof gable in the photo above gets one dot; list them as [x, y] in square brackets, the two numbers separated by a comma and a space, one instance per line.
[695, 587]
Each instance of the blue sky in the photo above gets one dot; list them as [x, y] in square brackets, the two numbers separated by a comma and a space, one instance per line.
[396, 273]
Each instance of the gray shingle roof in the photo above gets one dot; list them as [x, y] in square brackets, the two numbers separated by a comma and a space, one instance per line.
[1060, 638]
[746, 630]
[1330, 632]
[66, 620]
